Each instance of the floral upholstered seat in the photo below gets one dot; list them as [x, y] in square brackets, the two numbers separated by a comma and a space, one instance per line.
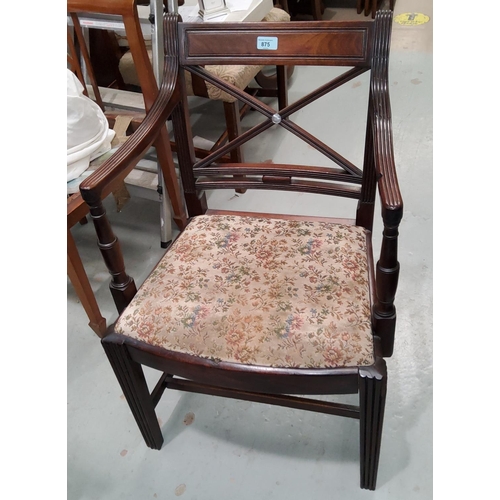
[259, 291]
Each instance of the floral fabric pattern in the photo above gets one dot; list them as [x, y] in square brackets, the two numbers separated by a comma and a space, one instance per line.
[269, 292]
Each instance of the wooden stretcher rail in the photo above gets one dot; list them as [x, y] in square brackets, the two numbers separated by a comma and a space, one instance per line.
[330, 408]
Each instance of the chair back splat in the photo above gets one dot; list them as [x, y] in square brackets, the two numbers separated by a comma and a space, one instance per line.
[266, 307]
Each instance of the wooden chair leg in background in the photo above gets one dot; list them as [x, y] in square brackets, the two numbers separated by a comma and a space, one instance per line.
[317, 10]
[163, 151]
[232, 115]
[283, 73]
[233, 123]
[81, 284]
[368, 6]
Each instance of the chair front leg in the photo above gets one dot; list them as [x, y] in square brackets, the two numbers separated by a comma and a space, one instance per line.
[133, 383]
[372, 393]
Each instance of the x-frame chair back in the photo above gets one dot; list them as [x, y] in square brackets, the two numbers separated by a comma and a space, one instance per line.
[138, 338]
[363, 46]
[194, 53]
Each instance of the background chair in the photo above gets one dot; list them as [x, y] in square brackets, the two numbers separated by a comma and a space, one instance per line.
[316, 8]
[263, 307]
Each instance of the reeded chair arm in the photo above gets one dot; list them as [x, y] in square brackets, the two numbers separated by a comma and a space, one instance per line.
[387, 269]
[381, 124]
[390, 195]
[118, 166]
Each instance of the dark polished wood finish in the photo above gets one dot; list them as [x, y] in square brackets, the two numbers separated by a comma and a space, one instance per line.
[299, 43]
[360, 44]
[372, 394]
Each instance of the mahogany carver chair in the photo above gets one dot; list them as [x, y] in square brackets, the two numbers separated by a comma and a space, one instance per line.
[261, 307]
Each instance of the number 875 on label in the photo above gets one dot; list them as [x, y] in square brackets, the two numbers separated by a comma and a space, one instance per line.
[267, 43]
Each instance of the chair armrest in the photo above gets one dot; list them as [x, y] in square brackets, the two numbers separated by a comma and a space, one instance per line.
[381, 122]
[387, 268]
[387, 179]
[126, 158]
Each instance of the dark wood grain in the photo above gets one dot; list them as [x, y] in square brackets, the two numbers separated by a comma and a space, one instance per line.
[347, 44]
[372, 395]
[363, 44]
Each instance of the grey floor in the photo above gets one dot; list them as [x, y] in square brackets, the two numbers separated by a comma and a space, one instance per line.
[224, 449]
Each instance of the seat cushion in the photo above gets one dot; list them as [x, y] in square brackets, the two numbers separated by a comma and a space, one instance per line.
[259, 291]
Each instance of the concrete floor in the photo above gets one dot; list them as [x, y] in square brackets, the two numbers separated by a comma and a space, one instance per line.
[217, 448]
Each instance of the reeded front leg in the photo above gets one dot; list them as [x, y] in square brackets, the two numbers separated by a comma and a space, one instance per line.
[372, 392]
[133, 383]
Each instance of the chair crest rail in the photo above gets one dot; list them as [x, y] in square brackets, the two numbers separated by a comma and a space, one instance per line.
[348, 44]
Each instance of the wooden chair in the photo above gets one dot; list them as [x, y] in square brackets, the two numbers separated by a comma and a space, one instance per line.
[77, 209]
[257, 306]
